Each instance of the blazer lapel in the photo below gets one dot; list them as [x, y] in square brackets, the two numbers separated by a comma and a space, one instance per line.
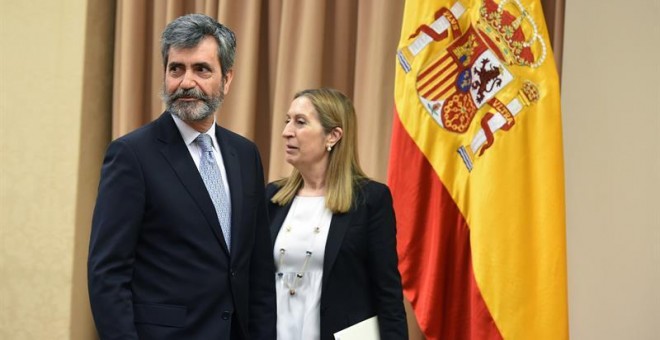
[338, 227]
[277, 217]
[177, 154]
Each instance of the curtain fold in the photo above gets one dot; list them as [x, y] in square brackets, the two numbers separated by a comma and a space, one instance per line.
[283, 47]
[373, 83]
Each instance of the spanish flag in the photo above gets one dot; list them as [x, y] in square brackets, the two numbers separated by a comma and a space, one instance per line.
[476, 171]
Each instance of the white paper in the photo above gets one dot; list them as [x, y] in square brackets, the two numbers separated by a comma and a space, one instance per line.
[365, 330]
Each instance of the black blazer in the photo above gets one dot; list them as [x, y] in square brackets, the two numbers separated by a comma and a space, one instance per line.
[158, 264]
[360, 274]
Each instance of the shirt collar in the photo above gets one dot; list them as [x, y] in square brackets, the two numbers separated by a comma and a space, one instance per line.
[189, 134]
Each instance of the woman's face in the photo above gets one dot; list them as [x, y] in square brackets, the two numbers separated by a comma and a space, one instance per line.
[304, 137]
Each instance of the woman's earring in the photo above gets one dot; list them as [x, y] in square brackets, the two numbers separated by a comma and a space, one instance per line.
[329, 148]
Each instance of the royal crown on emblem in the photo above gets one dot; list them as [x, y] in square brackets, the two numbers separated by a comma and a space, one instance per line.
[512, 31]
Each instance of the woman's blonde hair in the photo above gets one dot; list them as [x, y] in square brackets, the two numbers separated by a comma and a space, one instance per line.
[334, 109]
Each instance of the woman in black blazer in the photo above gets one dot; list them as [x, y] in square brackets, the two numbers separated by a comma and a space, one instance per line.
[333, 229]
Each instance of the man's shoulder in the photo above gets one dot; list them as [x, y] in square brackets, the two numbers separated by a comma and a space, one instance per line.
[140, 133]
[240, 143]
[232, 136]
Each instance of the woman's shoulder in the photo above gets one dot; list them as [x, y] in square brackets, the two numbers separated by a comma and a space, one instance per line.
[371, 186]
[372, 191]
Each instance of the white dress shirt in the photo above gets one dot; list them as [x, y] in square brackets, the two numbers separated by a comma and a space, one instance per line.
[189, 134]
[299, 315]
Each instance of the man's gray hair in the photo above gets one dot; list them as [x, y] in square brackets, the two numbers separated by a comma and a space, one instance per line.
[187, 31]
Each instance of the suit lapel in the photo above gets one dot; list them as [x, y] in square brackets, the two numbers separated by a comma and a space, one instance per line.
[178, 156]
[233, 170]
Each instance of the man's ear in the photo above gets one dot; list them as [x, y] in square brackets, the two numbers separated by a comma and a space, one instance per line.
[228, 79]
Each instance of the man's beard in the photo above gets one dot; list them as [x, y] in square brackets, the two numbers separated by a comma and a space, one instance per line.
[193, 110]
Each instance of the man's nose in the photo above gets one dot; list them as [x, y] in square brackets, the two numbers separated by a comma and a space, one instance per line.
[188, 80]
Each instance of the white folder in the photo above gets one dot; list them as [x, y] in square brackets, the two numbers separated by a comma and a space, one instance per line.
[364, 330]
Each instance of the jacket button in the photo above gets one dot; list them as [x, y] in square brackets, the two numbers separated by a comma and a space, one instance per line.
[233, 273]
[226, 315]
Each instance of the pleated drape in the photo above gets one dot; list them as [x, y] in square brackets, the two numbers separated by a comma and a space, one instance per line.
[283, 47]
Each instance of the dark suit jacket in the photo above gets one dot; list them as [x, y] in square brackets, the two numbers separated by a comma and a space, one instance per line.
[360, 274]
[158, 264]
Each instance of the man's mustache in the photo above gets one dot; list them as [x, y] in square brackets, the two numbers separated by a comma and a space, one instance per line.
[188, 93]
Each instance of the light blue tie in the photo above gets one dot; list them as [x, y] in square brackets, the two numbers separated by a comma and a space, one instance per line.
[212, 177]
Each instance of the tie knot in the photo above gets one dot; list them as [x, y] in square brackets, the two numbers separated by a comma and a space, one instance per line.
[204, 142]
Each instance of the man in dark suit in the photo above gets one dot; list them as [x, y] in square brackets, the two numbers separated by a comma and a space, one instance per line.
[180, 247]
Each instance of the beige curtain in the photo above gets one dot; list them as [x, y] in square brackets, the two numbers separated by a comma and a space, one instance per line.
[283, 46]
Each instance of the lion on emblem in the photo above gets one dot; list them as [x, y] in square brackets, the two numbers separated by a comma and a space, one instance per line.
[486, 76]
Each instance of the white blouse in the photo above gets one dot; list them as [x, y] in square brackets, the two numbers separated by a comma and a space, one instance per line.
[299, 275]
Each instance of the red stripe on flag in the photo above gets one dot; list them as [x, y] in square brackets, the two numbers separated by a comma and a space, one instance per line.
[433, 241]
[446, 89]
[436, 75]
[430, 68]
[447, 82]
